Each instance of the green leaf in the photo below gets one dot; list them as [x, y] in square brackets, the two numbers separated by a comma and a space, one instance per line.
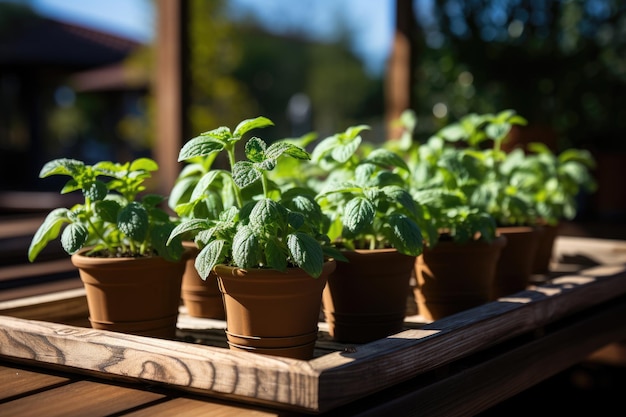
[498, 131]
[247, 125]
[74, 237]
[265, 211]
[307, 207]
[266, 165]
[255, 150]
[171, 249]
[402, 197]
[295, 219]
[452, 133]
[95, 190]
[386, 159]
[274, 255]
[405, 235]
[324, 147]
[144, 164]
[276, 149]
[152, 200]
[359, 214]
[306, 252]
[133, 221]
[246, 249]
[188, 226]
[47, 231]
[62, 166]
[70, 185]
[107, 210]
[363, 174]
[199, 146]
[181, 191]
[344, 151]
[245, 173]
[353, 131]
[206, 181]
[208, 257]
[222, 134]
[109, 168]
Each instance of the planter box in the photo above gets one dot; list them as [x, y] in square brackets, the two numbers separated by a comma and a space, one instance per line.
[458, 365]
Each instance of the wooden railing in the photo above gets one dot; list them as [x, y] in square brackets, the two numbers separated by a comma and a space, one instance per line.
[52, 271]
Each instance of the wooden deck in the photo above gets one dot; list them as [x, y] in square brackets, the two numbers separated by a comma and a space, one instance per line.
[457, 366]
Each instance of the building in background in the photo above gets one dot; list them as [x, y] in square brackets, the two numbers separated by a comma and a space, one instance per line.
[63, 91]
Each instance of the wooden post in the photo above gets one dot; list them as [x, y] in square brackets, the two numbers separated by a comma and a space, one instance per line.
[400, 76]
[172, 82]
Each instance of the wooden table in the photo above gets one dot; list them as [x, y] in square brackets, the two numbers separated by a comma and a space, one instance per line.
[51, 362]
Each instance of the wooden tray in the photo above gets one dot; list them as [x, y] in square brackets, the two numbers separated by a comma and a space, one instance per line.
[585, 295]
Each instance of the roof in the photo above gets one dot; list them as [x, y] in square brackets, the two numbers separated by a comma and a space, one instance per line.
[41, 41]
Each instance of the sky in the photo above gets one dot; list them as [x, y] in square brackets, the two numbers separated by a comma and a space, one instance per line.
[369, 21]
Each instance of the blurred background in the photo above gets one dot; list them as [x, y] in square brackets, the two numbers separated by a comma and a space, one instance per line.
[119, 79]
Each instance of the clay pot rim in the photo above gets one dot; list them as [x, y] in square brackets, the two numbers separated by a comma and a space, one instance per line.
[80, 260]
[225, 270]
[499, 240]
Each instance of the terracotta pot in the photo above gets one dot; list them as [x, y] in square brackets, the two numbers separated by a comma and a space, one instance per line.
[202, 298]
[515, 265]
[545, 247]
[132, 295]
[272, 312]
[453, 277]
[365, 299]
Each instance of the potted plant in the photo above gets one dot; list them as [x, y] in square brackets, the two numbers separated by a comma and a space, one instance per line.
[378, 226]
[502, 189]
[201, 296]
[457, 267]
[119, 243]
[267, 248]
[558, 180]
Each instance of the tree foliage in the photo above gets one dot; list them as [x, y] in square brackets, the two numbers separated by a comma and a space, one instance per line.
[559, 63]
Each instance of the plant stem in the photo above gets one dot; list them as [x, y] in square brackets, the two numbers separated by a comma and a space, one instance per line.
[264, 183]
[230, 151]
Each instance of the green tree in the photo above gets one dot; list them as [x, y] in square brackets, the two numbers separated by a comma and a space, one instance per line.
[558, 63]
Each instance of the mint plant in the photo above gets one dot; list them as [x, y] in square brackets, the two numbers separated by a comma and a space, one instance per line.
[558, 179]
[500, 178]
[442, 177]
[365, 197]
[263, 227]
[112, 221]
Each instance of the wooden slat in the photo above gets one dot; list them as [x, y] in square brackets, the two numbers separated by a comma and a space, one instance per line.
[189, 407]
[13, 272]
[79, 399]
[11, 227]
[322, 383]
[17, 381]
[41, 288]
[475, 387]
[55, 307]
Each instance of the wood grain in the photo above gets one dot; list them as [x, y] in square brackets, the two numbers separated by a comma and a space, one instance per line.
[79, 399]
[352, 372]
[19, 382]
[61, 306]
[322, 383]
